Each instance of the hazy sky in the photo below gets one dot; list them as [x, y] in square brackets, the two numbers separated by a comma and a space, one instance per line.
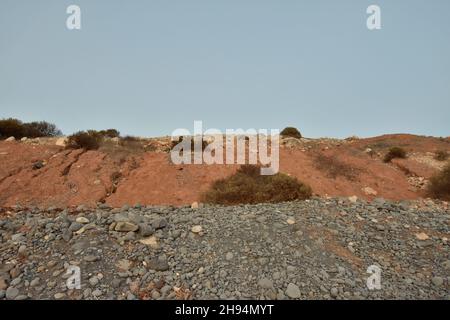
[149, 67]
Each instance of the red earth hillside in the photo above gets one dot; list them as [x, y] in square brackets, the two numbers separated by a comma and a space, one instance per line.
[39, 173]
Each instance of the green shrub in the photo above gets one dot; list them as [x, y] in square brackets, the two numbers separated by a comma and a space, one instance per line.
[395, 152]
[441, 155]
[291, 132]
[89, 140]
[248, 186]
[439, 186]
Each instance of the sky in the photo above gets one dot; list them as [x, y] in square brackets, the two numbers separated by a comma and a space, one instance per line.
[148, 67]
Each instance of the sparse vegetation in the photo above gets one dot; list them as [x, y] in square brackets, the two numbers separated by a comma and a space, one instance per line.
[439, 186]
[93, 140]
[192, 141]
[441, 155]
[333, 167]
[132, 144]
[110, 133]
[291, 132]
[17, 129]
[88, 140]
[248, 186]
[393, 153]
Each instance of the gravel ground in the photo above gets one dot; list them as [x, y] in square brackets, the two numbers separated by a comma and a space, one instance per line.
[315, 249]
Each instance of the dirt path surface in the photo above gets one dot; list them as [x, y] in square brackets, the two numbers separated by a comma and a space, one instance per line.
[41, 174]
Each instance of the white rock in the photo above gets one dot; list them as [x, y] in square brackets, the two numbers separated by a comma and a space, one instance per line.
[10, 139]
[369, 191]
[290, 221]
[194, 205]
[422, 236]
[24, 139]
[197, 229]
[229, 256]
[150, 241]
[61, 142]
[353, 199]
[82, 220]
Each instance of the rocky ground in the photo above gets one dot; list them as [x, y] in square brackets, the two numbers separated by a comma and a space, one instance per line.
[316, 249]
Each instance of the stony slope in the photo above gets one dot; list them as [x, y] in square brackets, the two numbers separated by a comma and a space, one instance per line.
[316, 249]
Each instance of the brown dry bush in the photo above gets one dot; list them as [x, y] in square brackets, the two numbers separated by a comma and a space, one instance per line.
[439, 186]
[291, 132]
[441, 155]
[192, 141]
[395, 152]
[88, 140]
[110, 133]
[247, 186]
[333, 167]
[18, 129]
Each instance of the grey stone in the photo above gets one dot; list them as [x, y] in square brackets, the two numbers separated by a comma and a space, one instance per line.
[265, 283]
[159, 223]
[67, 235]
[93, 281]
[229, 256]
[437, 281]
[75, 226]
[293, 291]
[334, 292]
[91, 258]
[158, 264]
[97, 293]
[126, 227]
[11, 293]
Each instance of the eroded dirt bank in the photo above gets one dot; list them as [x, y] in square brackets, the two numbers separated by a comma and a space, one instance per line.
[46, 175]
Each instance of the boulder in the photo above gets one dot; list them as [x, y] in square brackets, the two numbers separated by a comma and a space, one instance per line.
[61, 142]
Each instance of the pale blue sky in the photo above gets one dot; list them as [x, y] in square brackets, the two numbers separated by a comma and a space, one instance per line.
[149, 67]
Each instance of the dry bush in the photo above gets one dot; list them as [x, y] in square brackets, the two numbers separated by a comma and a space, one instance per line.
[110, 133]
[247, 186]
[18, 129]
[192, 142]
[132, 144]
[395, 152]
[441, 155]
[333, 167]
[291, 132]
[89, 140]
[439, 186]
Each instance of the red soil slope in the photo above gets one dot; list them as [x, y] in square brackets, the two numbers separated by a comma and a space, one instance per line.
[70, 178]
